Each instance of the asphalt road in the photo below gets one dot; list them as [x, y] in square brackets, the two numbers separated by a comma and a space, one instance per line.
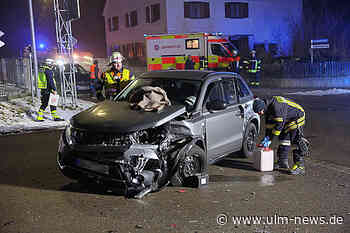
[35, 197]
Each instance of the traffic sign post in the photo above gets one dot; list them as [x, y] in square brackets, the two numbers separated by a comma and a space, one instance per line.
[318, 44]
[1, 42]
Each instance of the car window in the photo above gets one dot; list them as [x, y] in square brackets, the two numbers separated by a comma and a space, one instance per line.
[242, 89]
[212, 93]
[177, 90]
[229, 91]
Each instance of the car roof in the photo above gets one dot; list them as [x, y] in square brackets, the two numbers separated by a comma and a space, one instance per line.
[179, 74]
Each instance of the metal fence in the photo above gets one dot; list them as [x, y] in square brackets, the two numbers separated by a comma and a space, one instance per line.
[316, 70]
[14, 77]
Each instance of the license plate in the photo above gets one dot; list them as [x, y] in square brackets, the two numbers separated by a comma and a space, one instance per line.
[93, 166]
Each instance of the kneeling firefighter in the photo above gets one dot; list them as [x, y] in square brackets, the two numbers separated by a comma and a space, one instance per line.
[117, 77]
[47, 85]
[284, 121]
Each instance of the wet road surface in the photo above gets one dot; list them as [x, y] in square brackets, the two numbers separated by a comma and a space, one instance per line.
[35, 197]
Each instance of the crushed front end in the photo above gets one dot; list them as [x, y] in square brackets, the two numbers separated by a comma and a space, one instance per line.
[136, 163]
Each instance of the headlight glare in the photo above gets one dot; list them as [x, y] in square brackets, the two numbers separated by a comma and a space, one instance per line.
[68, 134]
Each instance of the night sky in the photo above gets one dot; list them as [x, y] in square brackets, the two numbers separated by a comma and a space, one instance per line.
[89, 29]
[15, 22]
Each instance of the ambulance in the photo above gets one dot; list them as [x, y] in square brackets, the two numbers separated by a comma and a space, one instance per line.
[208, 50]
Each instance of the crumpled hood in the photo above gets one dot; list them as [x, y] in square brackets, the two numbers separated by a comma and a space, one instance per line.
[118, 117]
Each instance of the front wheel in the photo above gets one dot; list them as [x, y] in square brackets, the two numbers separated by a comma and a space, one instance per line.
[249, 140]
[189, 166]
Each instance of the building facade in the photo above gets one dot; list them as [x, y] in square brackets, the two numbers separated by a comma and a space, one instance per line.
[266, 24]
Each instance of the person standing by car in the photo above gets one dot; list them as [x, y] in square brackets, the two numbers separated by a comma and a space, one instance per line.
[284, 121]
[117, 77]
[253, 67]
[189, 64]
[47, 85]
[94, 70]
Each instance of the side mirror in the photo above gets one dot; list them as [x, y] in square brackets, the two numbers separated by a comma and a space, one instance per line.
[216, 105]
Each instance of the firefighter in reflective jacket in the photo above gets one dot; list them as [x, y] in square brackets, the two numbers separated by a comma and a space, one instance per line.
[47, 85]
[253, 66]
[117, 77]
[94, 70]
[284, 121]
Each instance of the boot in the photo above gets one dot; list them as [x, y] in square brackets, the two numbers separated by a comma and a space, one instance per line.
[55, 116]
[40, 116]
[298, 169]
[281, 164]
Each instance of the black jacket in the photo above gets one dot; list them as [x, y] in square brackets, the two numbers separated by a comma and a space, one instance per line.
[282, 114]
[51, 84]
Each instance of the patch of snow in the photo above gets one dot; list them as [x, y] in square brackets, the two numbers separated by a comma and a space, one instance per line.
[18, 115]
[333, 91]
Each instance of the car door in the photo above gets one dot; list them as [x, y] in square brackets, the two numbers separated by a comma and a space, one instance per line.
[223, 127]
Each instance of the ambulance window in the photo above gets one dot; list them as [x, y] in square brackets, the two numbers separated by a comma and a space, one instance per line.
[217, 49]
[192, 44]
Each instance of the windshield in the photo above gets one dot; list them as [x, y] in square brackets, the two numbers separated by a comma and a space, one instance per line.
[177, 90]
[230, 47]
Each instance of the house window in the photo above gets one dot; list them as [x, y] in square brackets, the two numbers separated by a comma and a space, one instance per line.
[192, 44]
[153, 13]
[109, 24]
[148, 14]
[115, 23]
[127, 20]
[133, 18]
[196, 10]
[236, 10]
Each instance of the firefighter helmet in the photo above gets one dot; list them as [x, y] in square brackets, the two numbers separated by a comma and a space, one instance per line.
[116, 57]
[253, 52]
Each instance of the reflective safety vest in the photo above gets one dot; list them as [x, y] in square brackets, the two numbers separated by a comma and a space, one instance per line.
[42, 80]
[92, 71]
[253, 65]
[124, 76]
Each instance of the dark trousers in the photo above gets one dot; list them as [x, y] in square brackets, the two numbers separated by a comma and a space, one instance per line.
[45, 96]
[93, 84]
[282, 151]
[254, 77]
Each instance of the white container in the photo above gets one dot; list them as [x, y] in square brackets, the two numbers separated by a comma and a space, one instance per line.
[263, 159]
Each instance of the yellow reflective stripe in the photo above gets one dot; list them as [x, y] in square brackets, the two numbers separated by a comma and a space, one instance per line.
[213, 59]
[290, 103]
[278, 119]
[180, 59]
[167, 37]
[285, 142]
[109, 78]
[125, 75]
[167, 66]
[155, 60]
[196, 66]
[276, 132]
[270, 126]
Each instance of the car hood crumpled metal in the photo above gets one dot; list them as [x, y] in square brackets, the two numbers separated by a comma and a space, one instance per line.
[118, 117]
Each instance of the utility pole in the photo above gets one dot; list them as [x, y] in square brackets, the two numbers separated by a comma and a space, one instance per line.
[66, 11]
[34, 47]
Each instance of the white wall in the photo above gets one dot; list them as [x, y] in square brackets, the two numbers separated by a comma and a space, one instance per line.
[132, 34]
[267, 22]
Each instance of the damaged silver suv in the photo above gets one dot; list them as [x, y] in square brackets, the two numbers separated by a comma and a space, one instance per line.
[210, 115]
